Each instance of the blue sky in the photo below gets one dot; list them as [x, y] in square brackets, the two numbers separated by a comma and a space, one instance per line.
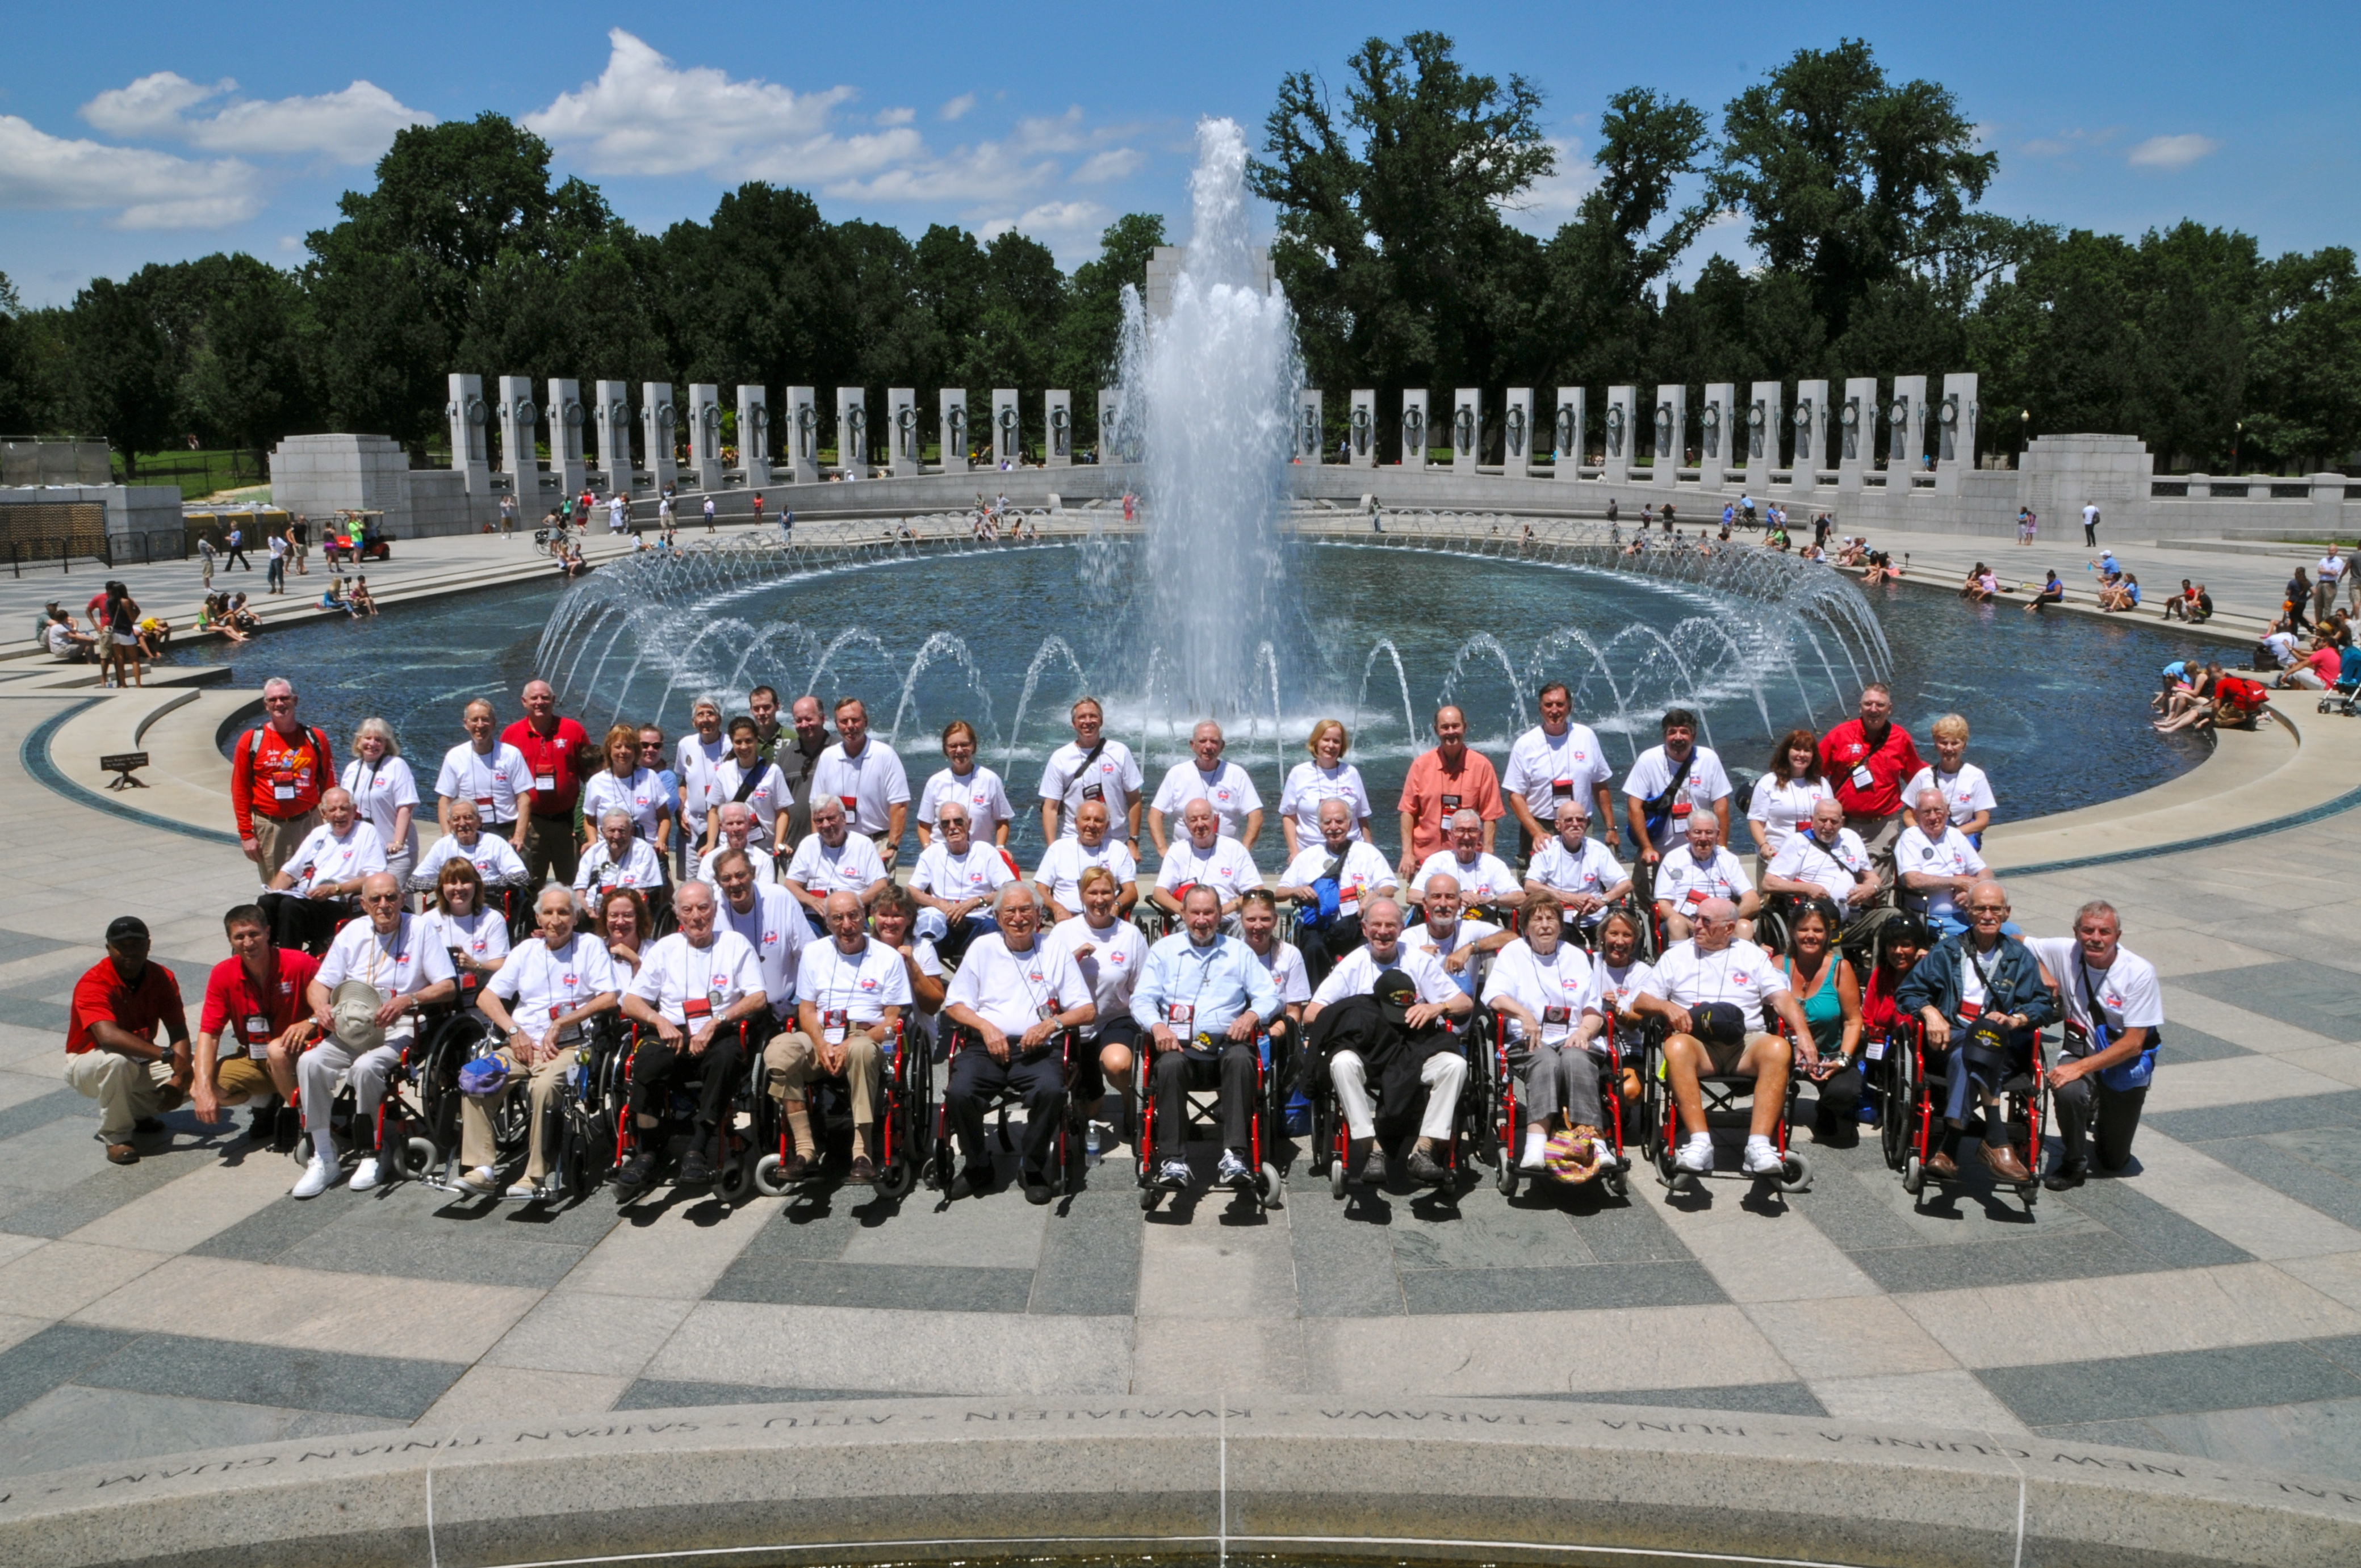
[139, 132]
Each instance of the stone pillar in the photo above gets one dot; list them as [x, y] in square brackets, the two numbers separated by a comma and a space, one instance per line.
[1622, 433]
[754, 436]
[469, 416]
[1569, 429]
[1763, 417]
[902, 430]
[705, 437]
[1057, 428]
[614, 414]
[1905, 432]
[1416, 432]
[1109, 425]
[1955, 429]
[803, 435]
[2327, 504]
[1855, 425]
[1466, 428]
[1720, 428]
[1007, 427]
[852, 431]
[1670, 421]
[1310, 429]
[658, 422]
[1361, 427]
[1517, 433]
[520, 423]
[566, 418]
[951, 402]
[1811, 422]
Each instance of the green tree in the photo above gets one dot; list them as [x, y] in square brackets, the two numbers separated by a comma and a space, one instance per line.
[2304, 373]
[124, 386]
[242, 377]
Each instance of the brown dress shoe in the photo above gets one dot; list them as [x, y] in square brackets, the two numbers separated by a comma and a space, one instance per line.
[123, 1154]
[2004, 1163]
[863, 1172]
[1942, 1165]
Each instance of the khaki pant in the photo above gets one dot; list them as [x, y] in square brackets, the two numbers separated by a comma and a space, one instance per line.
[125, 1089]
[1878, 836]
[278, 839]
[791, 1060]
[241, 1078]
[476, 1148]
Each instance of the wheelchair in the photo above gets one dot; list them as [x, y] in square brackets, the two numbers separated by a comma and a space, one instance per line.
[906, 1081]
[1508, 1123]
[1199, 1095]
[1913, 1123]
[941, 1162]
[416, 1101]
[1729, 1105]
[1857, 941]
[1471, 1121]
[675, 1128]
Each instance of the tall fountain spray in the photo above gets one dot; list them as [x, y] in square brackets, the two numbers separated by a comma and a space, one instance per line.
[1209, 390]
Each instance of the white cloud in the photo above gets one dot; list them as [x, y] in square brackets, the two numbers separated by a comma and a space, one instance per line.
[646, 115]
[1115, 163]
[1547, 204]
[990, 172]
[353, 125]
[146, 190]
[1052, 221]
[2172, 152]
[896, 117]
[957, 106]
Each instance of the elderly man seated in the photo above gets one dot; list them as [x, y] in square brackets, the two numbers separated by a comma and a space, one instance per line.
[112, 1053]
[1202, 1000]
[956, 879]
[1011, 999]
[1716, 990]
[316, 890]
[1984, 997]
[1577, 871]
[1484, 879]
[692, 988]
[736, 820]
[1827, 860]
[833, 860]
[393, 954]
[258, 1000]
[1937, 863]
[555, 981]
[618, 859]
[851, 990]
[1454, 939]
[1435, 998]
[494, 858]
[1697, 869]
[1329, 882]
[1204, 858]
[1058, 879]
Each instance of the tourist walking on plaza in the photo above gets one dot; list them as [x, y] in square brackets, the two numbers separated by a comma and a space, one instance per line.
[236, 544]
[205, 556]
[2327, 577]
[553, 751]
[2090, 525]
[274, 579]
[277, 776]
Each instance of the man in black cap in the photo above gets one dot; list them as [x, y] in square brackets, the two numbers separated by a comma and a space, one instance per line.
[112, 1056]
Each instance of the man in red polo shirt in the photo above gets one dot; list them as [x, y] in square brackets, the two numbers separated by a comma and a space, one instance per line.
[551, 749]
[1867, 760]
[276, 777]
[255, 1003]
[1449, 779]
[112, 1056]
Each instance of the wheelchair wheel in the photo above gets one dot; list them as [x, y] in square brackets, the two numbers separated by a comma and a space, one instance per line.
[302, 1152]
[419, 1156]
[770, 1176]
[1615, 1181]
[1270, 1188]
[1338, 1177]
[737, 1184]
[896, 1180]
[1796, 1175]
[1770, 931]
[1148, 1197]
[1914, 1175]
[1505, 1179]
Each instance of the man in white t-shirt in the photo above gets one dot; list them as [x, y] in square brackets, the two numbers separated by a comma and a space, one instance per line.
[1361, 874]
[736, 821]
[1205, 858]
[1059, 876]
[865, 776]
[389, 952]
[956, 879]
[553, 983]
[1204, 776]
[2279, 644]
[1659, 813]
[1435, 998]
[770, 920]
[1936, 862]
[694, 762]
[316, 890]
[1577, 871]
[851, 990]
[1090, 767]
[618, 859]
[2093, 966]
[1484, 879]
[833, 860]
[1826, 859]
[491, 773]
[1715, 969]
[1013, 997]
[695, 992]
[1699, 869]
[1557, 761]
[1454, 939]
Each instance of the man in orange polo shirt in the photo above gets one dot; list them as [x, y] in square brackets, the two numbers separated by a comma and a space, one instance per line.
[276, 777]
[551, 748]
[112, 1056]
[1451, 778]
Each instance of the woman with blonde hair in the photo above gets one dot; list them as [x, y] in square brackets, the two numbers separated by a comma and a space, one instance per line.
[1327, 776]
[625, 784]
[382, 786]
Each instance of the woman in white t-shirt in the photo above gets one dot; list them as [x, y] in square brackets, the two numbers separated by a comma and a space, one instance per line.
[385, 790]
[1782, 804]
[977, 788]
[1964, 786]
[893, 921]
[1623, 976]
[1542, 987]
[623, 786]
[621, 919]
[1328, 776]
[477, 936]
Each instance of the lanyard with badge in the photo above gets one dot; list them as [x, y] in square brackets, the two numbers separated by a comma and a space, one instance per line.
[563, 979]
[835, 1022]
[1559, 1015]
[1181, 1017]
[703, 1000]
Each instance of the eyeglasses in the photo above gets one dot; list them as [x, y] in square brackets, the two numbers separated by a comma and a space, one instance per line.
[381, 898]
[279, 702]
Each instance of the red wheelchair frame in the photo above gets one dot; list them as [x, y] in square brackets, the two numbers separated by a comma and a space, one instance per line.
[1269, 1190]
[1508, 1123]
[905, 1080]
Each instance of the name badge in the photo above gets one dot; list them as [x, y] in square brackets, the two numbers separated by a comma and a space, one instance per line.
[1860, 776]
[483, 800]
[1680, 808]
[1556, 1015]
[833, 1023]
[544, 781]
[282, 792]
[850, 801]
[1179, 1015]
[1094, 792]
[1451, 803]
[571, 1032]
[695, 1007]
[1562, 789]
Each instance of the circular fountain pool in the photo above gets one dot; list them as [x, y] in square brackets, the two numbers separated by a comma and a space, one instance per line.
[1376, 637]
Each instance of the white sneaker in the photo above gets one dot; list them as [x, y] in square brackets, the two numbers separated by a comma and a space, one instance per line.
[317, 1177]
[365, 1175]
[1762, 1159]
[522, 1191]
[1607, 1160]
[1536, 1154]
[1697, 1153]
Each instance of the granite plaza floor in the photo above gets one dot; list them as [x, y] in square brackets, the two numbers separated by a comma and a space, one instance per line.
[2209, 1303]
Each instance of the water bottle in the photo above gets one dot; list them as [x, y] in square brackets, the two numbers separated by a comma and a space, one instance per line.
[1091, 1144]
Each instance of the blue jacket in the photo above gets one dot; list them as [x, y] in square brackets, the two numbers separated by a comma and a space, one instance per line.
[2015, 984]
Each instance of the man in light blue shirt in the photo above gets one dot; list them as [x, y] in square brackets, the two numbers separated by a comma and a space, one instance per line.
[1202, 1000]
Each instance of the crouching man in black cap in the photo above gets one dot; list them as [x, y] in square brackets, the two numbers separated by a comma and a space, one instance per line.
[112, 1056]
[1387, 1008]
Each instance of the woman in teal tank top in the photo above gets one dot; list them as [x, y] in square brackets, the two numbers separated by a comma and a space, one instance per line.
[1824, 982]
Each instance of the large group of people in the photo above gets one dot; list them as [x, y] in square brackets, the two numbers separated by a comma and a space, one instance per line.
[736, 903]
